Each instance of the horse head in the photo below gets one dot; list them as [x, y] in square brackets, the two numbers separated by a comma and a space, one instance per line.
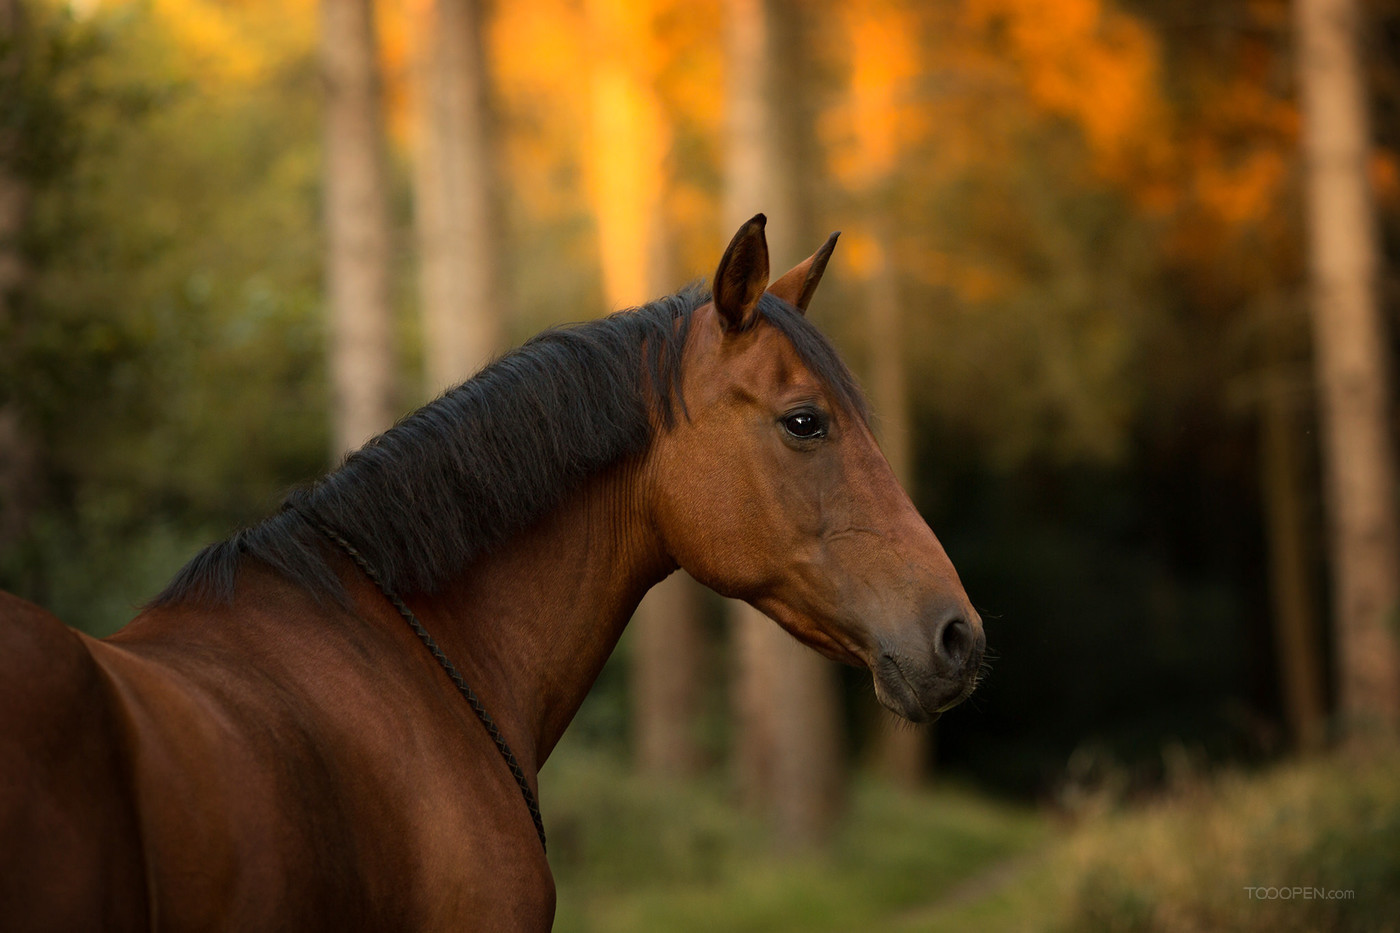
[772, 489]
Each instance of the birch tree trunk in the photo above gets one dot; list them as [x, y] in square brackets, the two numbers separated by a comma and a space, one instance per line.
[788, 747]
[357, 227]
[456, 207]
[1349, 345]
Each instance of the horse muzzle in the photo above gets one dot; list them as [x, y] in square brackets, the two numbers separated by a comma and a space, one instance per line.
[919, 678]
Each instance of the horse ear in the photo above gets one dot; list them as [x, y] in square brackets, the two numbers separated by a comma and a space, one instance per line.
[742, 275]
[798, 284]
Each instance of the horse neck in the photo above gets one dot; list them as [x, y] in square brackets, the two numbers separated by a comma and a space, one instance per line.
[532, 623]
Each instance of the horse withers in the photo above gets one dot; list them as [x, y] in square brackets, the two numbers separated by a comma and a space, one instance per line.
[268, 745]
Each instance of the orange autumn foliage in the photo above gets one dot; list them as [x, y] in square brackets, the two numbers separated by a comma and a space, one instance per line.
[628, 146]
[1085, 60]
[596, 96]
[881, 116]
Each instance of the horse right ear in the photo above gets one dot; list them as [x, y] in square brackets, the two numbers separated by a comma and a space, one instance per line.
[801, 281]
[742, 276]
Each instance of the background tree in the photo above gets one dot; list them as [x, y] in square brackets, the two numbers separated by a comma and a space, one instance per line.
[628, 167]
[1353, 375]
[1283, 482]
[883, 61]
[788, 743]
[456, 198]
[358, 248]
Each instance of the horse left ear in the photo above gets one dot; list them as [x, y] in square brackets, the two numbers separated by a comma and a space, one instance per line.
[742, 276]
[799, 283]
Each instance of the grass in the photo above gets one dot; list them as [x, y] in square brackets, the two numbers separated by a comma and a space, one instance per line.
[1183, 863]
[633, 855]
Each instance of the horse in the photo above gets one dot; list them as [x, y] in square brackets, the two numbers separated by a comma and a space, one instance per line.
[268, 745]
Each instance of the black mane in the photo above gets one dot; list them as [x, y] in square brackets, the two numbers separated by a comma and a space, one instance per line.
[487, 458]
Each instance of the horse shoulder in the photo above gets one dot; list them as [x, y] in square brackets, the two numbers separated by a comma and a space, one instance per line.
[72, 855]
[316, 779]
[479, 868]
[239, 815]
[440, 813]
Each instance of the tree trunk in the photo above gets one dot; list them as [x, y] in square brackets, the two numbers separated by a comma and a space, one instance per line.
[1350, 343]
[357, 227]
[1298, 642]
[901, 748]
[809, 780]
[626, 164]
[755, 641]
[668, 654]
[788, 745]
[458, 215]
[19, 473]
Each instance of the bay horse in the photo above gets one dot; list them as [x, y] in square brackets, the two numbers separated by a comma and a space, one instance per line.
[268, 746]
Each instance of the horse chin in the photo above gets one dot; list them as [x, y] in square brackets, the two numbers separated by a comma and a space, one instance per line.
[897, 695]
[903, 703]
[896, 692]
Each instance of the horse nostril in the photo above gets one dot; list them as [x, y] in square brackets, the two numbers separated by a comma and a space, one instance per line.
[955, 641]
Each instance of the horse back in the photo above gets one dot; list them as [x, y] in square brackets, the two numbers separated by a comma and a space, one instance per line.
[70, 844]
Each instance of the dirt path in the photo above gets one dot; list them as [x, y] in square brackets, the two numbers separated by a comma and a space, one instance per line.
[1002, 875]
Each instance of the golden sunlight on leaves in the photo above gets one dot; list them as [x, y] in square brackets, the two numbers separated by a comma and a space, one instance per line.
[536, 60]
[238, 43]
[1084, 60]
[628, 148]
[400, 25]
[1235, 160]
[688, 67]
[880, 116]
[1241, 191]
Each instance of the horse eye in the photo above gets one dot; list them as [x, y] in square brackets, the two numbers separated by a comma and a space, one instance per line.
[804, 425]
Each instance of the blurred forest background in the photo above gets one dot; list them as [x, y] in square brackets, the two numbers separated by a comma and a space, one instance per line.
[1119, 279]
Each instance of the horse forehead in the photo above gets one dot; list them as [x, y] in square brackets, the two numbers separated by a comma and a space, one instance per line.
[760, 358]
[773, 360]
